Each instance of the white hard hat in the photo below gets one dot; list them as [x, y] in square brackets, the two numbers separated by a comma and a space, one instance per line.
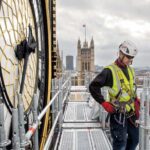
[128, 48]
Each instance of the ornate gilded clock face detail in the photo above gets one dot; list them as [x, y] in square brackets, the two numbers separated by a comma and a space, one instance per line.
[18, 33]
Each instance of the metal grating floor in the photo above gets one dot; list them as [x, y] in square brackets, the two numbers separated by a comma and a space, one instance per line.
[79, 130]
[79, 96]
[78, 88]
[80, 125]
[84, 139]
[78, 112]
[67, 141]
[100, 140]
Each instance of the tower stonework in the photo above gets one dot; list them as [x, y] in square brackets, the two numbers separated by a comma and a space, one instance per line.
[85, 57]
[92, 65]
[85, 60]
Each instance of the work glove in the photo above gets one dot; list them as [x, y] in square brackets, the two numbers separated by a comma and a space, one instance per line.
[108, 107]
[137, 107]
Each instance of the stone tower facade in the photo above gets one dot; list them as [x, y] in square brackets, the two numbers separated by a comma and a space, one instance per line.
[85, 57]
[85, 61]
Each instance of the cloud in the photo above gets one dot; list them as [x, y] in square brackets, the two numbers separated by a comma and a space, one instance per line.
[109, 23]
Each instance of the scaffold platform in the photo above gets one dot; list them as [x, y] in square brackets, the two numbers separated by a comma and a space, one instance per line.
[79, 130]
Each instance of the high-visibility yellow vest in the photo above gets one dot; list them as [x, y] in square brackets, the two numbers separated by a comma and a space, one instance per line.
[123, 90]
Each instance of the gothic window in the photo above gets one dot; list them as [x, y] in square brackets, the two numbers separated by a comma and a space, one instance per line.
[83, 66]
[86, 66]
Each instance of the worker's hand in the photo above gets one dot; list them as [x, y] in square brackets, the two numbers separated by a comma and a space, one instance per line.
[108, 107]
[137, 107]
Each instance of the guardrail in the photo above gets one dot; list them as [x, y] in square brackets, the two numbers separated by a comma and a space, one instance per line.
[62, 96]
[60, 91]
[144, 134]
[20, 139]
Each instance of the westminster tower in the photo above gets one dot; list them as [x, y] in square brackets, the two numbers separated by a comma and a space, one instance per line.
[85, 57]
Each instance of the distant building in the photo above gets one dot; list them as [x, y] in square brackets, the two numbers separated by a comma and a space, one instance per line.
[85, 57]
[69, 62]
[85, 60]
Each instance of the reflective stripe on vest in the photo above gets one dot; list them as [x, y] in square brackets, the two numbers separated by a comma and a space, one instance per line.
[120, 82]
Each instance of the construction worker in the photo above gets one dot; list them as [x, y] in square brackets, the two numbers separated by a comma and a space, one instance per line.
[123, 104]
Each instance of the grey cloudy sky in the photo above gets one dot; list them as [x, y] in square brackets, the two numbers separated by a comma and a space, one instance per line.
[109, 22]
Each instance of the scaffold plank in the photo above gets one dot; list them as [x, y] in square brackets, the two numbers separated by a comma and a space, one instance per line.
[99, 140]
[80, 125]
[78, 112]
[84, 139]
[67, 141]
[79, 96]
[79, 88]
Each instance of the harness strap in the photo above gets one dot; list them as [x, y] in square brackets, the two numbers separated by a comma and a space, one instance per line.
[121, 108]
[119, 93]
[121, 120]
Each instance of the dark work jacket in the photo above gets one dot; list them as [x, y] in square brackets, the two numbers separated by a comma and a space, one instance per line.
[103, 79]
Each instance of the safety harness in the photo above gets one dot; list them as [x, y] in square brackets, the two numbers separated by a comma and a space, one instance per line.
[122, 93]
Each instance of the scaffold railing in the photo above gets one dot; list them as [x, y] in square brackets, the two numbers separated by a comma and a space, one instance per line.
[60, 90]
[144, 134]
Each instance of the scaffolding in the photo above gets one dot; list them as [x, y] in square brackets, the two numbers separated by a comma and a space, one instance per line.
[71, 115]
[144, 134]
